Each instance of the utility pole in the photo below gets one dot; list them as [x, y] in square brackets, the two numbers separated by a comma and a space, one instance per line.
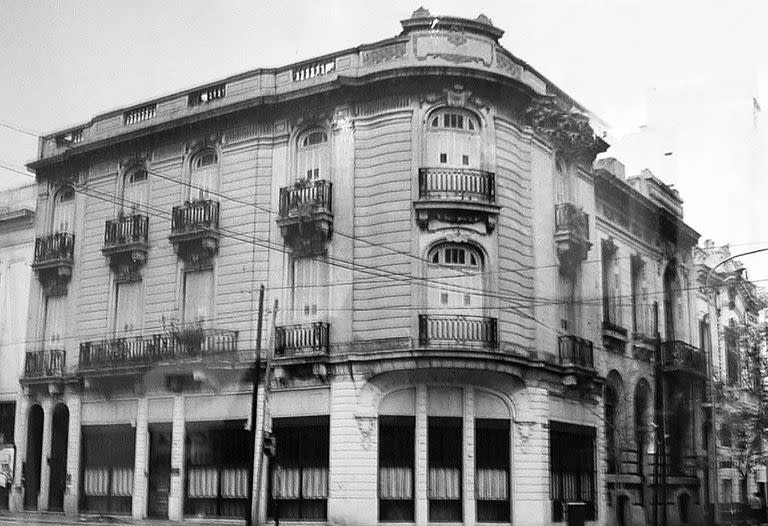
[661, 437]
[255, 374]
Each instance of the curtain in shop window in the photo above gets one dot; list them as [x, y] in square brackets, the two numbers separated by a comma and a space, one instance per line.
[491, 484]
[315, 483]
[444, 483]
[234, 483]
[286, 482]
[203, 483]
[395, 483]
[96, 482]
[122, 482]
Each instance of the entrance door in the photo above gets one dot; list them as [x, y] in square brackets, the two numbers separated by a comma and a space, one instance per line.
[58, 461]
[159, 470]
[34, 454]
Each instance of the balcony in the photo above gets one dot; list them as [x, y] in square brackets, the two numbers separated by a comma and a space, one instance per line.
[292, 341]
[195, 230]
[682, 358]
[576, 352]
[54, 258]
[305, 216]
[125, 244]
[458, 331]
[571, 235]
[456, 195]
[42, 366]
[194, 344]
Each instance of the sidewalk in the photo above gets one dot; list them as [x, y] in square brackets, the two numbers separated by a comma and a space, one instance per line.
[46, 518]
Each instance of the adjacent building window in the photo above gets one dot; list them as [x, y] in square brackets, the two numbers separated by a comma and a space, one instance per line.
[731, 355]
[611, 285]
[198, 296]
[456, 280]
[453, 139]
[396, 468]
[726, 439]
[567, 303]
[313, 156]
[299, 471]
[611, 406]
[64, 211]
[204, 175]
[444, 460]
[572, 468]
[218, 455]
[492, 470]
[641, 311]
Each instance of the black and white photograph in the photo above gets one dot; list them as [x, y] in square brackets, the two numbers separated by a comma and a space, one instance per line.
[337, 263]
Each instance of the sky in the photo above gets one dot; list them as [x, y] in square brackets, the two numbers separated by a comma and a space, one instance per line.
[674, 81]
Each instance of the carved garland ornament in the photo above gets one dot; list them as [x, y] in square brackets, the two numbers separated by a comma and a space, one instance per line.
[366, 425]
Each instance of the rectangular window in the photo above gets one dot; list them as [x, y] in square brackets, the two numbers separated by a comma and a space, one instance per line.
[107, 469]
[55, 320]
[198, 296]
[572, 468]
[731, 357]
[492, 470]
[443, 157]
[396, 468]
[128, 308]
[444, 462]
[310, 291]
[465, 160]
[298, 481]
[217, 459]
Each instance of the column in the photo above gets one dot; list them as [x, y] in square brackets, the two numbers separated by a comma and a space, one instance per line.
[176, 496]
[72, 492]
[420, 489]
[141, 461]
[530, 464]
[468, 469]
[45, 457]
[16, 498]
[258, 504]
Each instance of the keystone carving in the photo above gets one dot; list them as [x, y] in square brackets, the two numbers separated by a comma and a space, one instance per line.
[570, 132]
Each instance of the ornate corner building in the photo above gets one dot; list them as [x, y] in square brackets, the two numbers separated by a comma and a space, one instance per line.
[447, 301]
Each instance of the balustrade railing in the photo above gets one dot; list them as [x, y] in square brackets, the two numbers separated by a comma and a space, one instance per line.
[458, 330]
[56, 246]
[306, 198]
[192, 343]
[143, 113]
[195, 215]
[576, 351]
[679, 355]
[302, 339]
[314, 69]
[457, 183]
[126, 230]
[44, 364]
[205, 95]
[572, 219]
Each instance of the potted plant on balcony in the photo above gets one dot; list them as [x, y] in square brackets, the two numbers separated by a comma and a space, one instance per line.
[187, 337]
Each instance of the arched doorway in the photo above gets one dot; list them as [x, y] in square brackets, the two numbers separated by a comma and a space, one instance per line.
[33, 460]
[58, 461]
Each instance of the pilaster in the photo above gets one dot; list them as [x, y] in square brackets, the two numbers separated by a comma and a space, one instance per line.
[45, 457]
[72, 492]
[468, 471]
[420, 490]
[16, 498]
[176, 496]
[141, 461]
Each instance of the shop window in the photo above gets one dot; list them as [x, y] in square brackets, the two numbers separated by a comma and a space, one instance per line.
[396, 468]
[444, 453]
[572, 468]
[217, 462]
[298, 482]
[107, 469]
[492, 470]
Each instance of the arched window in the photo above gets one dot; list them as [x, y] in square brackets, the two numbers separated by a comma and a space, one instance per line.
[204, 175]
[456, 281]
[313, 156]
[453, 139]
[64, 210]
[135, 191]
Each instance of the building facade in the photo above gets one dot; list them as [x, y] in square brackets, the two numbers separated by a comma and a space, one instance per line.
[425, 217]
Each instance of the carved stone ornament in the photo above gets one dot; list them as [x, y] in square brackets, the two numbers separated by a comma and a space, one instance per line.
[384, 54]
[457, 39]
[458, 96]
[138, 160]
[213, 140]
[524, 431]
[366, 425]
[421, 12]
[570, 132]
[343, 120]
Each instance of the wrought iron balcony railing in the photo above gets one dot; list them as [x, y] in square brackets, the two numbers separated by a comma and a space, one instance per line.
[44, 364]
[53, 248]
[140, 350]
[302, 340]
[126, 231]
[303, 199]
[194, 216]
[575, 351]
[683, 357]
[458, 331]
[462, 184]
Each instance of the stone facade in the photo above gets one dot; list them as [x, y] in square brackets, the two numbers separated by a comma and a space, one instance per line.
[425, 217]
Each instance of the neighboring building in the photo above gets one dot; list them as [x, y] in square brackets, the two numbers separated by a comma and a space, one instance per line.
[419, 210]
[17, 241]
[727, 305]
